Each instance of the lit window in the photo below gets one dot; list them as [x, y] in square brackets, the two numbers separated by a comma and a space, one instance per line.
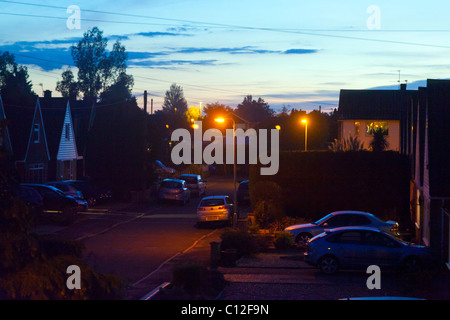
[357, 125]
[377, 125]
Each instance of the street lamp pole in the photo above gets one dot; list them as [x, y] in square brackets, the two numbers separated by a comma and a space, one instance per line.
[234, 167]
[306, 133]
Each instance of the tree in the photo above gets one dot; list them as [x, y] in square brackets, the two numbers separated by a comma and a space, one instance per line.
[379, 142]
[98, 70]
[15, 86]
[174, 101]
[254, 111]
[68, 86]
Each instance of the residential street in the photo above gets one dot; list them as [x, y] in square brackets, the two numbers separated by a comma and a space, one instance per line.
[142, 244]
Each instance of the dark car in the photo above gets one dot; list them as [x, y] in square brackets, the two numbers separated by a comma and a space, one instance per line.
[361, 247]
[243, 194]
[92, 193]
[55, 200]
[32, 198]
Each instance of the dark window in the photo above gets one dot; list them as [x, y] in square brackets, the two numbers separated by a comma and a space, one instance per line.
[67, 131]
[337, 221]
[376, 239]
[358, 220]
[211, 202]
[36, 133]
[351, 237]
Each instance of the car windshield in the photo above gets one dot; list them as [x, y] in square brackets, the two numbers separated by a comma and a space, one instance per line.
[171, 184]
[323, 219]
[189, 179]
[211, 202]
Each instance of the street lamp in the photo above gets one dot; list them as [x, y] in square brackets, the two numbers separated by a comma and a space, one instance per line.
[305, 122]
[222, 120]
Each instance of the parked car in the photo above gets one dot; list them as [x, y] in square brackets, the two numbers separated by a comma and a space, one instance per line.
[70, 190]
[32, 198]
[174, 190]
[195, 183]
[56, 200]
[243, 194]
[91, 192]
[162, 169]
[303, 232]
[214, 209]
[360, 247]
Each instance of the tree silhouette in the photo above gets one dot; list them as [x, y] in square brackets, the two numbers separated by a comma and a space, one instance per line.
[97, 69]
[15, 86]
[174, 101]
[254, 110]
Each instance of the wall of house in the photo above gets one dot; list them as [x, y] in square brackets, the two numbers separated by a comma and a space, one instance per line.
[350, 128]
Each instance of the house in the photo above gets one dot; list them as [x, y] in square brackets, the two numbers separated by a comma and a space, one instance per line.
[5, 139]
[361, 112]
[52, 151]
[430, 180]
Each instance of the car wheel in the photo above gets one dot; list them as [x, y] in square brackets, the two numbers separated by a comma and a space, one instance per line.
[412, 264]
[303, 238]
[329, 265]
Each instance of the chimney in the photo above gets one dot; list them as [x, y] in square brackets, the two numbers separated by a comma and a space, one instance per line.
[403, 86]
[47, 94]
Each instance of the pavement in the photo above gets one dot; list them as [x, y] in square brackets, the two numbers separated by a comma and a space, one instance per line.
[283, 275]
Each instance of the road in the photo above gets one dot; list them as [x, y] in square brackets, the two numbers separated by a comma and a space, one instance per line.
[132, 242]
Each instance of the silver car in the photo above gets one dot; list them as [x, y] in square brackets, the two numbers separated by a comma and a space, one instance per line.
[174, 190]
[361, 247]
[195, 183]
[303, 232]
[215, 208]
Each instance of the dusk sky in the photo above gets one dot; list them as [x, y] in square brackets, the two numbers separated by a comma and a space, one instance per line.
[293, 53]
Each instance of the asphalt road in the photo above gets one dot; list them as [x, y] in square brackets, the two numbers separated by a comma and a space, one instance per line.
[132, 242]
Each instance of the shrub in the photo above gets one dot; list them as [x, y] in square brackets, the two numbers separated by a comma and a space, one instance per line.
[267, 201]
[240, 240]
[283, 240]
[189, 277]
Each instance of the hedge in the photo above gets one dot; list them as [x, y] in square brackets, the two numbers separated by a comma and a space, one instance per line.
[316, 183]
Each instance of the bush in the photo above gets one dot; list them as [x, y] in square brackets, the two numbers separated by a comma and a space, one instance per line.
[283, 240]
[267, 201]
[240, 240]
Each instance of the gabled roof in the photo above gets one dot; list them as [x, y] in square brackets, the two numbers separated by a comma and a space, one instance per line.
[374, 104]
[20, 118]
[37, 152]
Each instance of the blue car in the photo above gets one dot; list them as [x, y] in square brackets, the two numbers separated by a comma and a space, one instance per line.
[360, 247]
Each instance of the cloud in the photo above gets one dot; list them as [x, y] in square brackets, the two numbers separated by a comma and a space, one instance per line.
[300, 51]
[164, 64]
[242, 50]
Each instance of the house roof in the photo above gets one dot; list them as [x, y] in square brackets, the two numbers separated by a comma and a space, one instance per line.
[373, 104]
[20, 118]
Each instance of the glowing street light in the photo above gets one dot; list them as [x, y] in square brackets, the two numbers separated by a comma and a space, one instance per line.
[222, 120]
[305, 122]
[277, 127]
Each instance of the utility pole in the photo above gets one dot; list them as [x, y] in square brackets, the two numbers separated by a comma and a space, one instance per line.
[144, 159]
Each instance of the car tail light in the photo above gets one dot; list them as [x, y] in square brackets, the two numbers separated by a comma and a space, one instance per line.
[221, 208]
[201, 209]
